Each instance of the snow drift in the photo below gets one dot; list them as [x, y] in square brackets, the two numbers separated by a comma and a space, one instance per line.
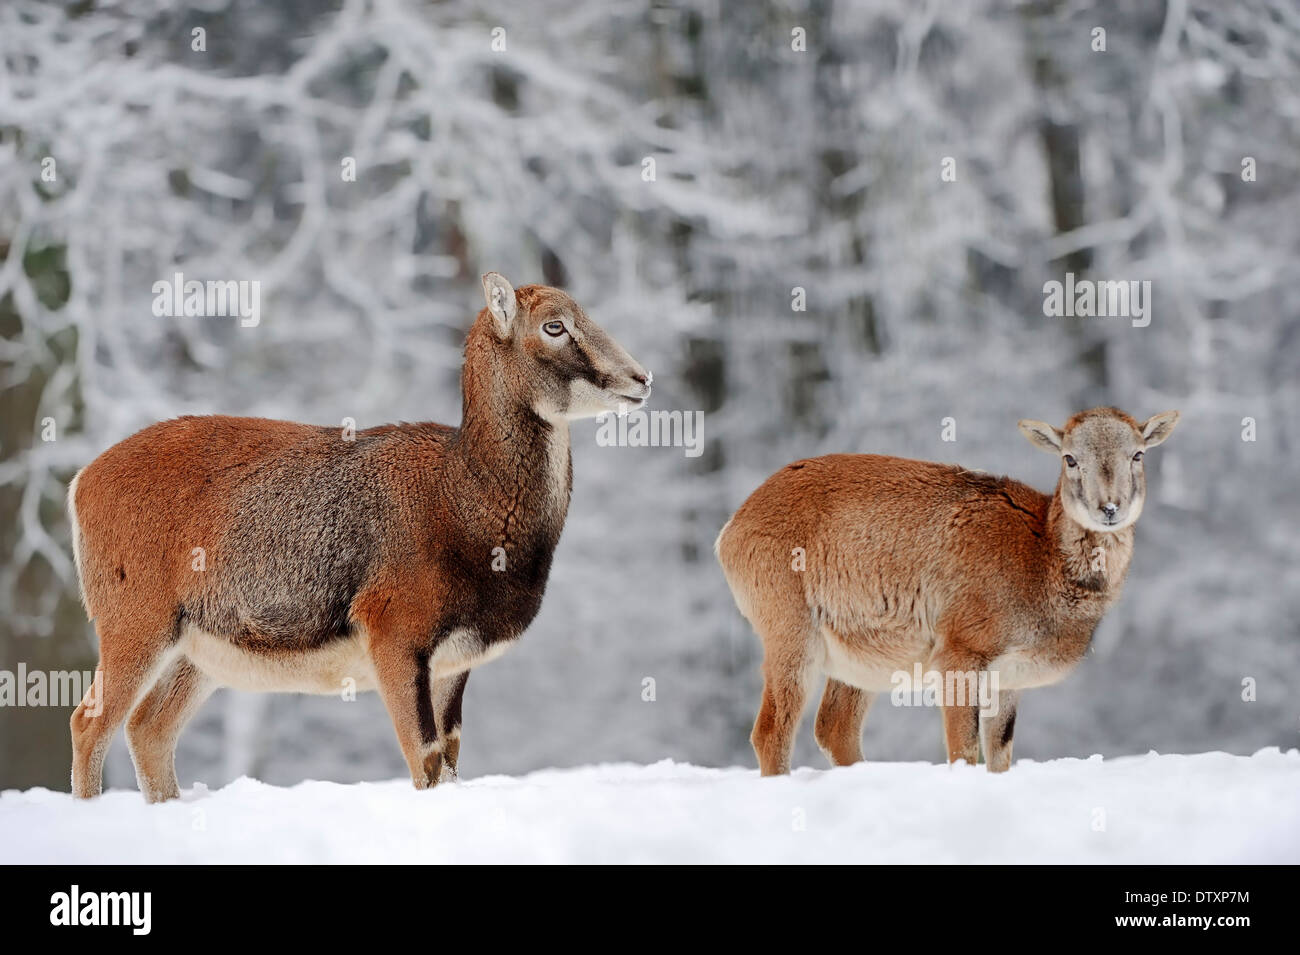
[1211, 807]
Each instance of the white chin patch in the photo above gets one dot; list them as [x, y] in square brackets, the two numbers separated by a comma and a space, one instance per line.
[1094, 523]
[1104, 528]
[588, 401]
[580, 412]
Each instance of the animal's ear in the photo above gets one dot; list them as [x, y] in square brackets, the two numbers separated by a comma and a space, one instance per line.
[1158, 427]
[500, 295]
[1043, 435]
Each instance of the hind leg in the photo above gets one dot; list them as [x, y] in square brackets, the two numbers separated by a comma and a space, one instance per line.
[156, 723]
[840, 717]
[788, 674]
[126, 669]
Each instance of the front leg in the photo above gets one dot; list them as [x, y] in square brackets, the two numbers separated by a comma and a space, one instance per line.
[448, 693]
[997, 730]
[961, 733]
[403, 677]
[959, 670]
[402, 638]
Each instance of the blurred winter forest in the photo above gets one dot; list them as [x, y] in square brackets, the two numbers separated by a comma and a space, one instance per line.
[799, 154]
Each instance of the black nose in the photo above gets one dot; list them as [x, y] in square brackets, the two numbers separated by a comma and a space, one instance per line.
[1109, 509]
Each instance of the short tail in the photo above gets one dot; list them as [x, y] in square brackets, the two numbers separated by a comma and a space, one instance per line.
[717, 544]
[75, 526]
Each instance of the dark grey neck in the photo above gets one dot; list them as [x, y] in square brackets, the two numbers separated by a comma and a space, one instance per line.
[518, 461]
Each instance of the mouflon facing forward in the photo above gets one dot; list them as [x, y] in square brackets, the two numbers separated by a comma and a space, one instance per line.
[864, 567]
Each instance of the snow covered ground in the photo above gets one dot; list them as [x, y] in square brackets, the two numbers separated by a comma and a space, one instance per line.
[1211, 807]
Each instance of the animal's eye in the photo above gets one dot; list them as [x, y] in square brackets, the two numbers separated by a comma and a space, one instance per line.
[1070, 462]
[1138, 456]
[554, 329]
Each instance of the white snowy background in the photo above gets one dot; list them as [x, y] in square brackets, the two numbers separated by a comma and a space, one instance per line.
[775, 169]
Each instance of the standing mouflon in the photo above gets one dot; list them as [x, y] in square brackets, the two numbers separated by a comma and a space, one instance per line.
[268, 555]
[909, 563]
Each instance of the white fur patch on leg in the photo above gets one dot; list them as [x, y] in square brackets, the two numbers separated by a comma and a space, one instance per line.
[430, 748]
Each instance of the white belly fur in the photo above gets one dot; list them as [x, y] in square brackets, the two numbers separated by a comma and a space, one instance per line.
[324, 671]
[320, 671]
[1019, 671]
[871, 667]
